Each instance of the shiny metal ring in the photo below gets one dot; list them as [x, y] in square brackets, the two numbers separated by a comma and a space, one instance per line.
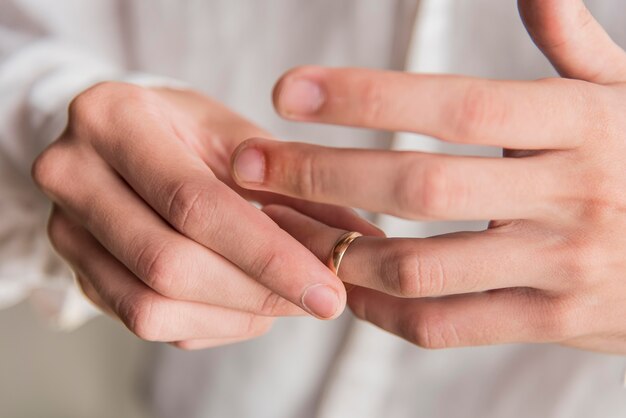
[339, 249]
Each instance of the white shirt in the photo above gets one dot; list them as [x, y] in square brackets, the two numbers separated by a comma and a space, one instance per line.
[234, 50]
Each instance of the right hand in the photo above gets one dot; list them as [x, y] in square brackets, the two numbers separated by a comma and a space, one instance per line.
[148, 216]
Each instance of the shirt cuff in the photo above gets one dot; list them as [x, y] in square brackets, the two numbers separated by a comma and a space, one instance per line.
[29, 267]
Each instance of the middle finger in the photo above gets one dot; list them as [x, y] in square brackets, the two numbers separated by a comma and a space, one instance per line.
[508, 114]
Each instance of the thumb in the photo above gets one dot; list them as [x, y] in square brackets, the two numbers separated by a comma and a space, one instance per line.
[573, 40]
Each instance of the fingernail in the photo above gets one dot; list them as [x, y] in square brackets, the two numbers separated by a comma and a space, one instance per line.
[300, 97]
[321, 300]
[249, 165]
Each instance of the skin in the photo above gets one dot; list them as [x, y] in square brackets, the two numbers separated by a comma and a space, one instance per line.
[551, 265]
[158, 234]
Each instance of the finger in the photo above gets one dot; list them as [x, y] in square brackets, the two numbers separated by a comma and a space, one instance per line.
[505, 316]
[90, 293]
[509, 114]
[329, 214]
[192, 345]
[602, 343]
[445, 265]
[147, 150]
[573, 40]
[146, 313]
[406, 184]
[163, 259]
[332, 215]
[214, 150]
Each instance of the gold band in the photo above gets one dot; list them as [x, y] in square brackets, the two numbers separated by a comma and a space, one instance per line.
[340, 248]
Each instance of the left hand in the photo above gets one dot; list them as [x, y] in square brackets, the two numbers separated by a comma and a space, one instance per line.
[551, 267]
[147, 216]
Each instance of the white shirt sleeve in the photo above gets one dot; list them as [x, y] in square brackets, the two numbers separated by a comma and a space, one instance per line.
[41, 71]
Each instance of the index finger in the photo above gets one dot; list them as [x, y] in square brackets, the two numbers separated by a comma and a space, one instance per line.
[543, 114]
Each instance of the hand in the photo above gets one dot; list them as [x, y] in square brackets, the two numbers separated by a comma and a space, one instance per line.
[551, 266]
[146, 214]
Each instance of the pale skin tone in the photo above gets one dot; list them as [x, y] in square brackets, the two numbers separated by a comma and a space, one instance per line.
[160, 236]
[551, 266]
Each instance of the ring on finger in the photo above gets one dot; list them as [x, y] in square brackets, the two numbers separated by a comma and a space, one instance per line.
[339, 250]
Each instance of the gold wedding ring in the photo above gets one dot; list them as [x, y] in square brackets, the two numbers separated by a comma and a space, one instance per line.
[340, 248]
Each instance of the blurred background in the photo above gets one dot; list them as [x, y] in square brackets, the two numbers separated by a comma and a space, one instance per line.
[88, 373]
[96, 371]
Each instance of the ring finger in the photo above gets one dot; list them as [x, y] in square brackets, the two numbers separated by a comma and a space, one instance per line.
[445, 265]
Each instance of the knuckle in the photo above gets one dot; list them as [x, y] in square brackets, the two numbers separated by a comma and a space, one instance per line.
[429, 196]
[407, 281]
[82, 110]
[191, 204]
[267, 267]
[582, 260]
[271, 305]
[102, 104]
[595, 198]
[435, 194]
[406, 192]
[158, 264]
[306, 182]
[476, 112]
[310, 177]
[49, 170]
[41, 170]
[85, 111]
[419, 276]
[431, 331]
[142, 314]
[371, 102]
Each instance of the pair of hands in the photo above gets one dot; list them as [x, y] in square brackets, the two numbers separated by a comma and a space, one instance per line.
[161, 235]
